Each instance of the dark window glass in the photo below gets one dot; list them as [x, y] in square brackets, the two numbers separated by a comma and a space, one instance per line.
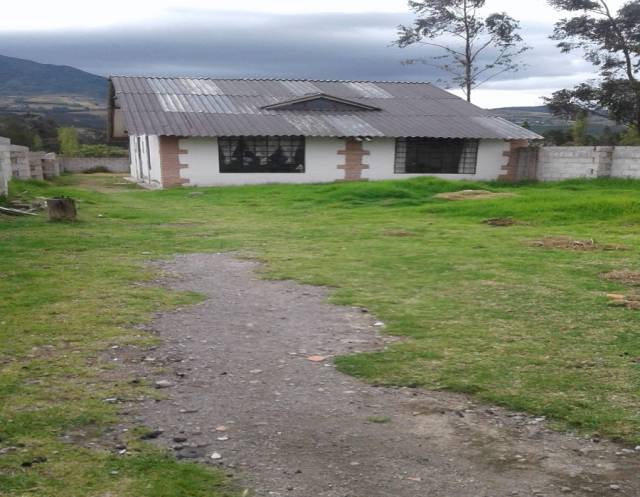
[436, 156]
[261, 154]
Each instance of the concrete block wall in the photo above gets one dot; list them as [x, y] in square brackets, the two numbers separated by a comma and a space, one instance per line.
[626, 162]
[82, 164]
[50, 166]
[5, 165]
[35, 164]
[558, 163]
[20, 167]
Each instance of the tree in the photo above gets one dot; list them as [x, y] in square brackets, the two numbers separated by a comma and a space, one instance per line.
[631, 137]
[611, 42]
[473, 49]
[556, 137]
[579, 130]
[68, 140]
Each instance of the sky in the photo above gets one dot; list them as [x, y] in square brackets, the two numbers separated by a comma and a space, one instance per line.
[322, 39]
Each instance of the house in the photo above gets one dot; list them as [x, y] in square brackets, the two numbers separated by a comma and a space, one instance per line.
[198, 132]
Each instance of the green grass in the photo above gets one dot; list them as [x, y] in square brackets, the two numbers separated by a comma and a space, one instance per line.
[482, 311]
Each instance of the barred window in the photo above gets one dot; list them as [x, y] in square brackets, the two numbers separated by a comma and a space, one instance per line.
[261, 154]
[436, 156]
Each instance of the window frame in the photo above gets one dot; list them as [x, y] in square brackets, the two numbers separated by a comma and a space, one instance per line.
[465, 154]
[260, 150]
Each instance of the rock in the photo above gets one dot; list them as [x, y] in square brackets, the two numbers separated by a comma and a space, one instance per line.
[378, 324]
[179, 440]
[163, 384]
[256, 371]
[190, 453]
[316, 358]
[221, 428]
[35, 460]
[152, 435]
[216, 456]
[615, 488]
[223, 438]
[566, 490]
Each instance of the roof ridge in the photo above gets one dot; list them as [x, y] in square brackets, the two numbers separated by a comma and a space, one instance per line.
[310, 80]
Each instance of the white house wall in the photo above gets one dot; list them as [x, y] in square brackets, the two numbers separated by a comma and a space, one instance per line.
[154, 156]
[321, 165]
[145, 162]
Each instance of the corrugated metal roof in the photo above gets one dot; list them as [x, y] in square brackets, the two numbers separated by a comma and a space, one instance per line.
[230, 107]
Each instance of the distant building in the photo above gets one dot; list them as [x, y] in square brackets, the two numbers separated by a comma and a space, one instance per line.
[204, 132]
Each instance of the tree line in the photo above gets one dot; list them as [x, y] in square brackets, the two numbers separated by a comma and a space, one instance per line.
[40, 133]
[473, 47]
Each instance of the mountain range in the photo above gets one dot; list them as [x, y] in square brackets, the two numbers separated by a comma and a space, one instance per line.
[67, 95]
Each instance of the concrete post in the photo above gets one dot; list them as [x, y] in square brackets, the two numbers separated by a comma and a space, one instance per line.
[603, 161]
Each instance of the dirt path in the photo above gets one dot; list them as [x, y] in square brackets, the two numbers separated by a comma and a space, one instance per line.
[300, 428]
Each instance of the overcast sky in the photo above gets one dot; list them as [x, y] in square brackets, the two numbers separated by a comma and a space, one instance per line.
[332, 39]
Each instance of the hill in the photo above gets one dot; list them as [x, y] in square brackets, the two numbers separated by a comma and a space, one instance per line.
[20, 77]
[67, 95]
[540, 119]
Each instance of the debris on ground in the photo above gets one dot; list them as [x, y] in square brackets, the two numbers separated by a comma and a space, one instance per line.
[23, 207]
[472, 195]
[623, 276]
[399, 233]
[500, 221]
[62, 209]
[567, 243]
[628, 301]
[163, 384]
[316, 358]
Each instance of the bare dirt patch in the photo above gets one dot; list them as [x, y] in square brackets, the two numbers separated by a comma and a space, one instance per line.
[243, 392]
[620, 300]
[567, 243]
[399, 233]
[625, 276]
[472, 195]
[500, 221]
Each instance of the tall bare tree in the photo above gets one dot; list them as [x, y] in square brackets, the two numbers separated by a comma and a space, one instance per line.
[473, 48]
[610, 40]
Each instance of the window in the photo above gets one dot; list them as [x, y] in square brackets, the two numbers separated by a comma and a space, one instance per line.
[261, 154]
[436, 156]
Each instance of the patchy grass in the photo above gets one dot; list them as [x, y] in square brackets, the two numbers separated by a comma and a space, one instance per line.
[380, 420]
[484, 311]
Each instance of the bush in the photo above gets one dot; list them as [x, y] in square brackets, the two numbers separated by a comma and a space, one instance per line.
[101, 150]
[96, 169]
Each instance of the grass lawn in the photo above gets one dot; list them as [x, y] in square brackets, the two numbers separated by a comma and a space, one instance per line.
[484, 310]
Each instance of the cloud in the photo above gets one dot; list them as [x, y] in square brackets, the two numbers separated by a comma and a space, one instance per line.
[244, 44]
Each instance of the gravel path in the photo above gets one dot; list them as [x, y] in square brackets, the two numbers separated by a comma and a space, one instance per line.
[289, 426]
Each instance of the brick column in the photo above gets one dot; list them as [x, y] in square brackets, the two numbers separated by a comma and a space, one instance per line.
[353, 154]
[509, 170]
[170, 165]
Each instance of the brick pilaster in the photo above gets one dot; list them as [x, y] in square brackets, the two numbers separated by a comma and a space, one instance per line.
[170, 165]
[509, 170]
[353, 155]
